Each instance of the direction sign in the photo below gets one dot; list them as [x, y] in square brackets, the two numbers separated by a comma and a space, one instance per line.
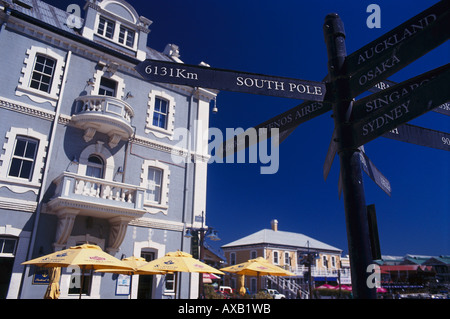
[398, 48]
[407, 107]
[442, 109]
[373, 172]
[420, 136]
[371, 103]
[227, 80]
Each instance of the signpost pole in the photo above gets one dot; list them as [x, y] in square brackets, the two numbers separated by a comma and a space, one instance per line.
[351, 170]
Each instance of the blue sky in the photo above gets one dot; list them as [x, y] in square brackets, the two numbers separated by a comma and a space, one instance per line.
[285, 38]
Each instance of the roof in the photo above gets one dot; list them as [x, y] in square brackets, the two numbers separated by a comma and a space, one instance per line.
[57, 18]
[281, 238]
[43, 12]
[406, 268]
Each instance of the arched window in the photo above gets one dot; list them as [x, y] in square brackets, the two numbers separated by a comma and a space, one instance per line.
[95, 166]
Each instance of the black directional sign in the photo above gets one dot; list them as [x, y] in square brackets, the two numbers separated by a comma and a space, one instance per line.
[420, 136]
[407, 107]
[371, 103]
[398, 48]
[373, 172]
[227, 80]
[442, 109]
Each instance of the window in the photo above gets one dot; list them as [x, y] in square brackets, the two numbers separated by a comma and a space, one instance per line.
[126, 36]
[95, 166]
[42, 75]
[155, 178]
[160, 113]
[154, 183]
[106, 28]
[253, 254]
[286, 259]
[232, 258]
[107, 87]
[170, 283]
[23, 158]
[333, 261]
[275, 257]
[325, 261]
[43, 71]
[7, 246]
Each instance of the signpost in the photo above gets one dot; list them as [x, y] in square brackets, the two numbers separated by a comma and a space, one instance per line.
[420, 136]
[409, 106]
[384, 113]
[235, 81]
[396, 49]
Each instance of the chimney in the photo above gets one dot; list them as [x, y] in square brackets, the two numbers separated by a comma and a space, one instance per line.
[274, 224]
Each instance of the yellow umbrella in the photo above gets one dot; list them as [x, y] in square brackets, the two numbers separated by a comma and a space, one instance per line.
[53, 286]
[84, 256]
[178, 262]
[257, 267]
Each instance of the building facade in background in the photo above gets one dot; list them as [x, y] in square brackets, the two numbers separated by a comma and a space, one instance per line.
[289, 251]
[87, 148]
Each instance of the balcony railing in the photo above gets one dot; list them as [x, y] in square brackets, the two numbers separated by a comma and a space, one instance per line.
[322, 272]
[99, 104]
[98, 197]
[104, 114]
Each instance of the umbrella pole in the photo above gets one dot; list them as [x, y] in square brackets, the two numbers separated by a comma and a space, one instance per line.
[176, 283]
[82, 282]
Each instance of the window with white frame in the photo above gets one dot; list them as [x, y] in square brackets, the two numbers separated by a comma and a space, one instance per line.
[287, 260]
[154, 183]
[333, 261]
[160, 114]
[253, 254]
[107, 87]
[117, 32]
[155, 178]
[106, 27]
[126, 36]
[41, 75]
[275, 257]
[23, 156]
[7, 246]
[325, 261]
[170, 283]
[43, 71]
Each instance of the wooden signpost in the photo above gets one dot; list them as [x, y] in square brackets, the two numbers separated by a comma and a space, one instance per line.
[384, 113]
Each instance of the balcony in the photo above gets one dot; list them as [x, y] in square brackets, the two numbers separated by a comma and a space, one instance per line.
[105, 114]
[77, 195]
[97, 197]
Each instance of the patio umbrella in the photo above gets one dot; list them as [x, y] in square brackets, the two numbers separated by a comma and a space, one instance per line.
[134, 263]
[85, 256]
[178, 262]
[326, 286]
[257, 267]
[53, 286]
